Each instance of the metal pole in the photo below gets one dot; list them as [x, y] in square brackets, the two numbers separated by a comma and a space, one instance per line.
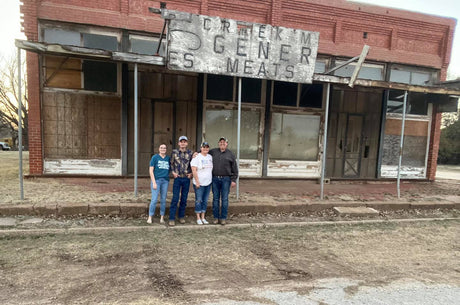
[326, 120]
[401, 144]
[135, 130]
[238, 139]
[21, 182]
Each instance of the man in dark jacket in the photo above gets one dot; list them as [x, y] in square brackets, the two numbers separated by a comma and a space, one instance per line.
[224, 175]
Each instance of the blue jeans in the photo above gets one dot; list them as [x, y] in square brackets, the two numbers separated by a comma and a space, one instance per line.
[220, 190]
[162, 189]
[184, 184]
[201, 198]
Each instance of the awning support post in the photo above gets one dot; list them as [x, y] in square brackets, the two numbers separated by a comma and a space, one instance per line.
[326, 120]
[401, 144]
[238, 140]
[21, 180]
[136, 106]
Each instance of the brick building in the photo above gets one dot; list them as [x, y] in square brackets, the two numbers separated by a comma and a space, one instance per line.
[81, 87]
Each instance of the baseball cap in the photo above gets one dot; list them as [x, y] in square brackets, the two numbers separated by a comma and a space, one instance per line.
[183, 138]
[223, 138]
[205, 144]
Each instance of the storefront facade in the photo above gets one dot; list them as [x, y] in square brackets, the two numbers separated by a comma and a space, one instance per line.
[82, 97]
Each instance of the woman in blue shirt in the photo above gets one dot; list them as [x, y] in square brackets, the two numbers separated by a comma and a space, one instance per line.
[159, 176]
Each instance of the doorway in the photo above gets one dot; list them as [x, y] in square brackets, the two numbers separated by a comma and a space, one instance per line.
[353, 134]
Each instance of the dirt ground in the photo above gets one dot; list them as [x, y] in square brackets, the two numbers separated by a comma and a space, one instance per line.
[94, 190]
[195, 266]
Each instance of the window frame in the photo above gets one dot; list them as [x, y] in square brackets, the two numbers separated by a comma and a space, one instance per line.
[81, 29]
[299, 92]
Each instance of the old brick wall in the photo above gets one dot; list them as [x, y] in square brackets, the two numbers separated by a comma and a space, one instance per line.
[394, 35]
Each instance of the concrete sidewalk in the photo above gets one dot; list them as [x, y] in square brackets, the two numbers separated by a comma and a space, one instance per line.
[258, 196]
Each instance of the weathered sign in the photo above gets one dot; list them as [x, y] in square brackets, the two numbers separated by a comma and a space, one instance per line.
[199, 43]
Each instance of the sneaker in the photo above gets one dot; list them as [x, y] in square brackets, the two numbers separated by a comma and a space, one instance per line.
[182, 220]
[215, 221]
[199, 222]
[149, 220]
[223, 222]
[162, 221]
[172, 223]
[204, 221]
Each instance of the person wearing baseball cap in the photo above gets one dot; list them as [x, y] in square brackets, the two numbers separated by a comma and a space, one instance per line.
[202, 180]
[182, 172]
[224, 175]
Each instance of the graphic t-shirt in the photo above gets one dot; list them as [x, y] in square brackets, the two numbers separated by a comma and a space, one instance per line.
[160, 166]
[204, 169]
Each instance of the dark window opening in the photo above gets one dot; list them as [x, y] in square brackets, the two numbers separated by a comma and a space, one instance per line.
[100, 76]
[251, 90]
[219, 87]
[416, 102]
[285, 94]
[311, 96]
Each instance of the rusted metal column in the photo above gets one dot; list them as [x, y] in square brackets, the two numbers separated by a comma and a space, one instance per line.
[326, 119]
[401, 144]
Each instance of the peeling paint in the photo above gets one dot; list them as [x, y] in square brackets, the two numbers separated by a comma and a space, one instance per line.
[103, 167]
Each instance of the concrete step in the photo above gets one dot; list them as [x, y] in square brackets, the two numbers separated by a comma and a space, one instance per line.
[355, 211]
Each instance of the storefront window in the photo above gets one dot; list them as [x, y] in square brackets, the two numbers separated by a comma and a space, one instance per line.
[251, 90]
[294, 137]
[224, 123]
[409, 76]
[416, 102]
[146, 46]
[285, 94]
[219, 87]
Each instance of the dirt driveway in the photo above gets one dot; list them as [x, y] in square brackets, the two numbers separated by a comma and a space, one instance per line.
[223, 264]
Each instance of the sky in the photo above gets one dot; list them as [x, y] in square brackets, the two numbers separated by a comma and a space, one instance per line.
[10, 23]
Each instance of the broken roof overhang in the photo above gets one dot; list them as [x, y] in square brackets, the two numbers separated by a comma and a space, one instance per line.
[88, 53]
[97, 54]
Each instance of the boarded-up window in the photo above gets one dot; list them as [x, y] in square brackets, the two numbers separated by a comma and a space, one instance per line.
[100, 76]
[72, 73]
[223, 123]
[294, 137]
[415, 143]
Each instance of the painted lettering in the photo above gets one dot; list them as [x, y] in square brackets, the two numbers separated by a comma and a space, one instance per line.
[264, 49]
[248, 66]
[172, 58]
[262, 70]
[232, 68]
[289, 71]
[278, 33]
[262, 31]
[225, 26]
[218, 48]
[284, 52]
[206, 24]
[306, 51]
[305, 38]
[241, 46]
[276, 69]
[188, 60]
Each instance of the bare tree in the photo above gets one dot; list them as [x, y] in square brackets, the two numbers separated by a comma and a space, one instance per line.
[9, 99]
